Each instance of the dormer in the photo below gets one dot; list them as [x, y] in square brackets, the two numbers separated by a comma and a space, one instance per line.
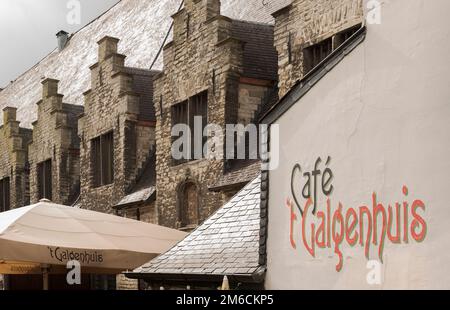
[13, 162]
[116, 129]
[53, 153]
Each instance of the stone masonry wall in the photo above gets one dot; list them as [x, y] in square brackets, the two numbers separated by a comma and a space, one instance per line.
[201, 57]
[146, 211]
[13, 157]
[148, 215]
[145, 141]
[250, 99]
[307, 22]
[112, 105]
[55, 137]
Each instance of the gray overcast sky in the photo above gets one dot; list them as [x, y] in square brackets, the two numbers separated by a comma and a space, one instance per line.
[28, 29]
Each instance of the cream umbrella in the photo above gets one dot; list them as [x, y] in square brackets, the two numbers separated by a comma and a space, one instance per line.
[44, 237]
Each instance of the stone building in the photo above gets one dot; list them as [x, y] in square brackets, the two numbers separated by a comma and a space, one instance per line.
[382, 94]
[221, 71]
[140, 201]
[227, 243]
[14, 190]
[142, 38]
[54, 151]
[117, 132]
[308, 31]
[111, 105]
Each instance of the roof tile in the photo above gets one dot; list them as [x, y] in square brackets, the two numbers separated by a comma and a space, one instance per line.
[229, 248]
[141, 26]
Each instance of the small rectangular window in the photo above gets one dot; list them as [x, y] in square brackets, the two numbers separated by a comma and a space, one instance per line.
[186, 113]
[103, 159]
[180, 113]
[314, 54]
[343, 36]
[5, 204]
[180, 116]
[45, 179]
[198, 108]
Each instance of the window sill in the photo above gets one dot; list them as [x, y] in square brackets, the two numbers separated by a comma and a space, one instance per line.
[102, 186]
[189, 163]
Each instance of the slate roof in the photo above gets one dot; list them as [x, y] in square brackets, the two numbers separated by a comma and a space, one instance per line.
[260, 56]
[145, 187]
[141, 26]
[137, 196]
[227, 243]
[240, 173]
[143, 85]
[268, 102]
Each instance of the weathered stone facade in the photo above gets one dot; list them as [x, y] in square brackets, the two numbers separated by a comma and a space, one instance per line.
[119, 101]
[55, 138]
[307, 22]
[13, 158]
[139, 204]
[217, 55]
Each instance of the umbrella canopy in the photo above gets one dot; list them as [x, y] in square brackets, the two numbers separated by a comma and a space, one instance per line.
[51, 234]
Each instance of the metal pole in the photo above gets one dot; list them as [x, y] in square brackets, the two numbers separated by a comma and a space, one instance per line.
[225, 284]
[45, 270]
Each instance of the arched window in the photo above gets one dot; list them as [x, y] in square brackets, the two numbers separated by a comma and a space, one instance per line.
[188, 205]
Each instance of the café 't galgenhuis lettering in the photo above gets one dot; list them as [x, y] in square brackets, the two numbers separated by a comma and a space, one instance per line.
[398, 223]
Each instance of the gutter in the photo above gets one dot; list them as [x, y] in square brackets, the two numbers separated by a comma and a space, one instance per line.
[256, 277]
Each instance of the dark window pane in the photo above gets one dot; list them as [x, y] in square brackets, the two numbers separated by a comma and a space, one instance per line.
[343, 36]
[2, 199]
[44, 171]
[96, 162]
[180, 116]
[40, 176]
[103, 160]
[107, 158]
[198, 106]
[185, 113]
[48, 179]
[315, 54]
[4, 195]
[7, 194]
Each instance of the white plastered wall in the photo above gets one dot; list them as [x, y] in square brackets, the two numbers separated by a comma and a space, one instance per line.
[383, 116]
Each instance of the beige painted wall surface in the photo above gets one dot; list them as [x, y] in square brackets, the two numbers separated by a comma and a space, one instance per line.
[383, 116]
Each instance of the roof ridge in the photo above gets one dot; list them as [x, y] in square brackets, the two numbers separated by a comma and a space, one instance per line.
[217, 216]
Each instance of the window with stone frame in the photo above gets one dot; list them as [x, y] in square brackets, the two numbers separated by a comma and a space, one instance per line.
[5, 202]
[103, 159]
[315, 54]
[185, 113]
[343, 36]
[44, 175]
[188, 202]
